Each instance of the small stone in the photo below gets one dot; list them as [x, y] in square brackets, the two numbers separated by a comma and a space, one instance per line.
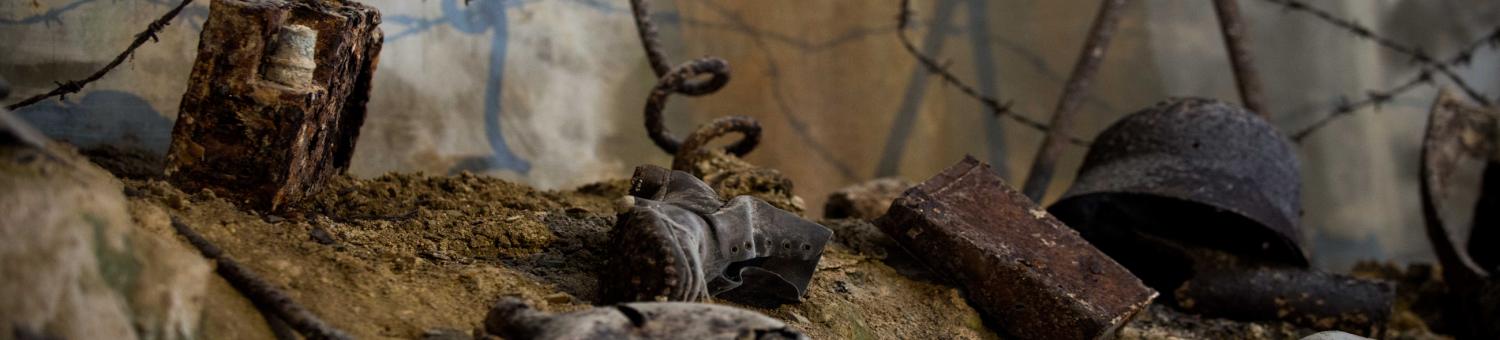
[800, 318]
[558, 298]
[321, 236]
[446, 334]
[1334, 335]
[865, 201]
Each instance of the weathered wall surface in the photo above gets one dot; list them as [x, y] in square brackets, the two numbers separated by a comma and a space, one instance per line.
[550, 92]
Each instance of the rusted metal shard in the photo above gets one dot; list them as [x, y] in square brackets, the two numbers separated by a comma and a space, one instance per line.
[1462, 137]
[1484, 233]
[1310, 299]
[1458, 136]
[1196, 171]
[1033, 275]
[513, 319]
[679, 242]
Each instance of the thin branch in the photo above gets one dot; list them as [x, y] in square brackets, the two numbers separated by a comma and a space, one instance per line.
[1095, 45]
[69, 87]
[1417, 55]
[998, 108]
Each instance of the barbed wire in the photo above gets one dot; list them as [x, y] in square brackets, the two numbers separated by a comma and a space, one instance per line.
[1416, 54]
[1425, 77]
[685, 79]
[65, 88]
[1372, 98]
[998, 108]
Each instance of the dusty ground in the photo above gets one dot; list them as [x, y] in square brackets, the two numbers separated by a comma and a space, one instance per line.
[412, 256]
[403, 256]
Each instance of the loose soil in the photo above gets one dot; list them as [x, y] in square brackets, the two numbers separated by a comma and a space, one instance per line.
[415, 256]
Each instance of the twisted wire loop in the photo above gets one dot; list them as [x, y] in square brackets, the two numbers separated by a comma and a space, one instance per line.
[687, 79]
[747, 127]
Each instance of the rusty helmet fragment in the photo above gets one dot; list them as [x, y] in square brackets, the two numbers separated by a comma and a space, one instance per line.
[1197, 171]
[679, 242]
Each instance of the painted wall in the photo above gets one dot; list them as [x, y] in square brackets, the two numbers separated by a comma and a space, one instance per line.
[550, 92]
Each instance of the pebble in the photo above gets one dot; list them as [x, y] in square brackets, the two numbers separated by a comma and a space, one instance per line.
[558, 298]
[800, 318]
[1334, 335]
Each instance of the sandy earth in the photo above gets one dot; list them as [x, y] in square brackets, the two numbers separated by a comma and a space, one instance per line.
[414, 256]
[403, 255]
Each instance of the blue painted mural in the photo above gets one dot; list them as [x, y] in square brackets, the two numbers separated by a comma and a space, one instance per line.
[478, 18]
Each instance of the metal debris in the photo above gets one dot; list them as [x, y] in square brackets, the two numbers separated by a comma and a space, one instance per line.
[1460, 136]
[1317, 300]
[679, 242]
[1484, 233]
[681, 79]
[1036, 277]
[729, 175]
[1197, 171]
[722, 169]
[1201, 197]
[514, 319]
[257, 125]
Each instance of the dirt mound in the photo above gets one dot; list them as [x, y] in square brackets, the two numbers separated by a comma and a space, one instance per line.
[410, 256]
[401, 256]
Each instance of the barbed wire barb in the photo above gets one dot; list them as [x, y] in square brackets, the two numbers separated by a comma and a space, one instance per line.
[73, 86]
[997, 107]
[1418, 56]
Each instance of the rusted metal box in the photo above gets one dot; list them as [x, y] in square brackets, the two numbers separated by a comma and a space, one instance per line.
[276, 98]
[1035, 277]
